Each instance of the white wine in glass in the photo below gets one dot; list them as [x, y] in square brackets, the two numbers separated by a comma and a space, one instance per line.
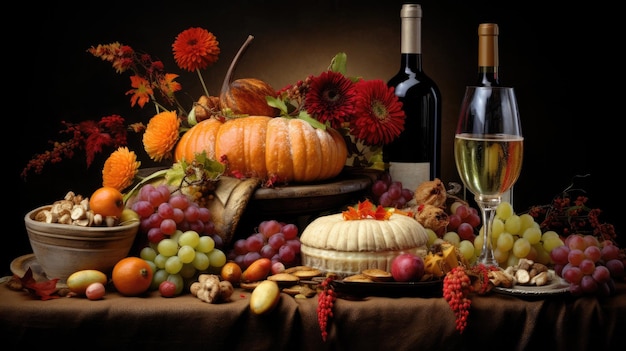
[488, 151]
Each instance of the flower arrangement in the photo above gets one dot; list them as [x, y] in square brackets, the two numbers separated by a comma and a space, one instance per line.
[368, 109]
[367, 112]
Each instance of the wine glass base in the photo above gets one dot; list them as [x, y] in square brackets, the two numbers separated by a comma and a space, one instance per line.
[486, 261]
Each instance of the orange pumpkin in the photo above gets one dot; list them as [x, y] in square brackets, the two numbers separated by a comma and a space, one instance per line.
[286, 149]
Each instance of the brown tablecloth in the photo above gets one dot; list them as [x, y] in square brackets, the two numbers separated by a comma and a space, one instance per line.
[496, 322]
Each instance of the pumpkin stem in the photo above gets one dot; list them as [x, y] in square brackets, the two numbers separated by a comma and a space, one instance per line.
[231, 69]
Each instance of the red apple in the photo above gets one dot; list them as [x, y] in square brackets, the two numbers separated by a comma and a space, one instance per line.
[407, 267]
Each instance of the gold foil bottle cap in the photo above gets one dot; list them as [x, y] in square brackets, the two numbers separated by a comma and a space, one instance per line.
[411, 10]
[489, 29]
[488, 45]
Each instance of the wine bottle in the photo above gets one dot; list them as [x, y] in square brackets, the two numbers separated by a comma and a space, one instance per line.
[488, 68]
[488, 59]
[415, 156]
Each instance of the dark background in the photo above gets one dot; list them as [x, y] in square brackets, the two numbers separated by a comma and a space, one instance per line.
[556, 57]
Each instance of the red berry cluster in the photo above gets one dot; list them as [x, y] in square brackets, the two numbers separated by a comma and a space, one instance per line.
[456, 289]
[325, 302]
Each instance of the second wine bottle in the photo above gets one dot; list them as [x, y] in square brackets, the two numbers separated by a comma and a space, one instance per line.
[489, 68]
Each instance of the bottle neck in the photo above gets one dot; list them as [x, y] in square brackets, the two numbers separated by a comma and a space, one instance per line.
[488, 76]
[488, 59]
[411, 62]
[411, 36]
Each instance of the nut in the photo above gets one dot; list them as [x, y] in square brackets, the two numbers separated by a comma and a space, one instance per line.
[78, 212]
[97, 218]
[65, 218]
[74, 210]
[522, 276]
[540, 279]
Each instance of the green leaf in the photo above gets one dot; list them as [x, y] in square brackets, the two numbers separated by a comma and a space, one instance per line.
[339, 63]
[277, 103]
[212, 168]
[175, 174]
[312, 121]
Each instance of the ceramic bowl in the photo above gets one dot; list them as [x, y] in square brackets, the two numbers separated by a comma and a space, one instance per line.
[62, 249]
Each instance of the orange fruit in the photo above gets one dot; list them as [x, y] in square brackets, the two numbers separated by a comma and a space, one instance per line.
[107, 201]
[132, 276]
[231, 272]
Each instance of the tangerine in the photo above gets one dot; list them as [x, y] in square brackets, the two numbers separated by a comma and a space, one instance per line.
[132, 276]
[107, 201]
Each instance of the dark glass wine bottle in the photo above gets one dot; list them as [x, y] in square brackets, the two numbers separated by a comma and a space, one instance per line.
[415, 156]
[488, 59]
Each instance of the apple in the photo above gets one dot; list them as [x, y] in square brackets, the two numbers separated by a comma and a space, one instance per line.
[407, 267]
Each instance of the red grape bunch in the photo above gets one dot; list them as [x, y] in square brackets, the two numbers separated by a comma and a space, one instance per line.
[464, 220]
[389, 193]
[162, 214]
[590, 266]
[274, 240]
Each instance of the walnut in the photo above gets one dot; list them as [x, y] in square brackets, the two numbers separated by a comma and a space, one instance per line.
[431, 193]
[210, 289]
[226, 290]
[432, 217]
[207, 288]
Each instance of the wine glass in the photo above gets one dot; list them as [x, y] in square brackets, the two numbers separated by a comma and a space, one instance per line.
[488, 151]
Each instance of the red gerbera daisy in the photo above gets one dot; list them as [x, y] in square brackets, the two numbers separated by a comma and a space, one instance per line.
[379, 117]
[195, 48]
[331, 98]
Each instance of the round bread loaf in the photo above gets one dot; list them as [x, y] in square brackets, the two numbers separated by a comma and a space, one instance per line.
[345, 247]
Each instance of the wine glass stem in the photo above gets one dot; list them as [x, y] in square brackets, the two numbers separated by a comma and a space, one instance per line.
[488, 210]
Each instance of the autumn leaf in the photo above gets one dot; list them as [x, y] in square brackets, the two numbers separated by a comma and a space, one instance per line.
[366, 210]
[45, 289]
[168, 86]
[142, 92]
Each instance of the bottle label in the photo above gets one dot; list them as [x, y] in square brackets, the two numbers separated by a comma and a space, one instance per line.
[410, 174]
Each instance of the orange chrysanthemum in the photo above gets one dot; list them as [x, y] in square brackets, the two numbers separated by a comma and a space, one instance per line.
[120, 169]
[161, 135]
[195, 48]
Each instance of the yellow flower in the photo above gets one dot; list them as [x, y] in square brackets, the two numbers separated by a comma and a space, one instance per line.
[120, 169]
[161, 135]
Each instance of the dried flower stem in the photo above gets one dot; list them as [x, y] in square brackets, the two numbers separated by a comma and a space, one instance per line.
[206, 91]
